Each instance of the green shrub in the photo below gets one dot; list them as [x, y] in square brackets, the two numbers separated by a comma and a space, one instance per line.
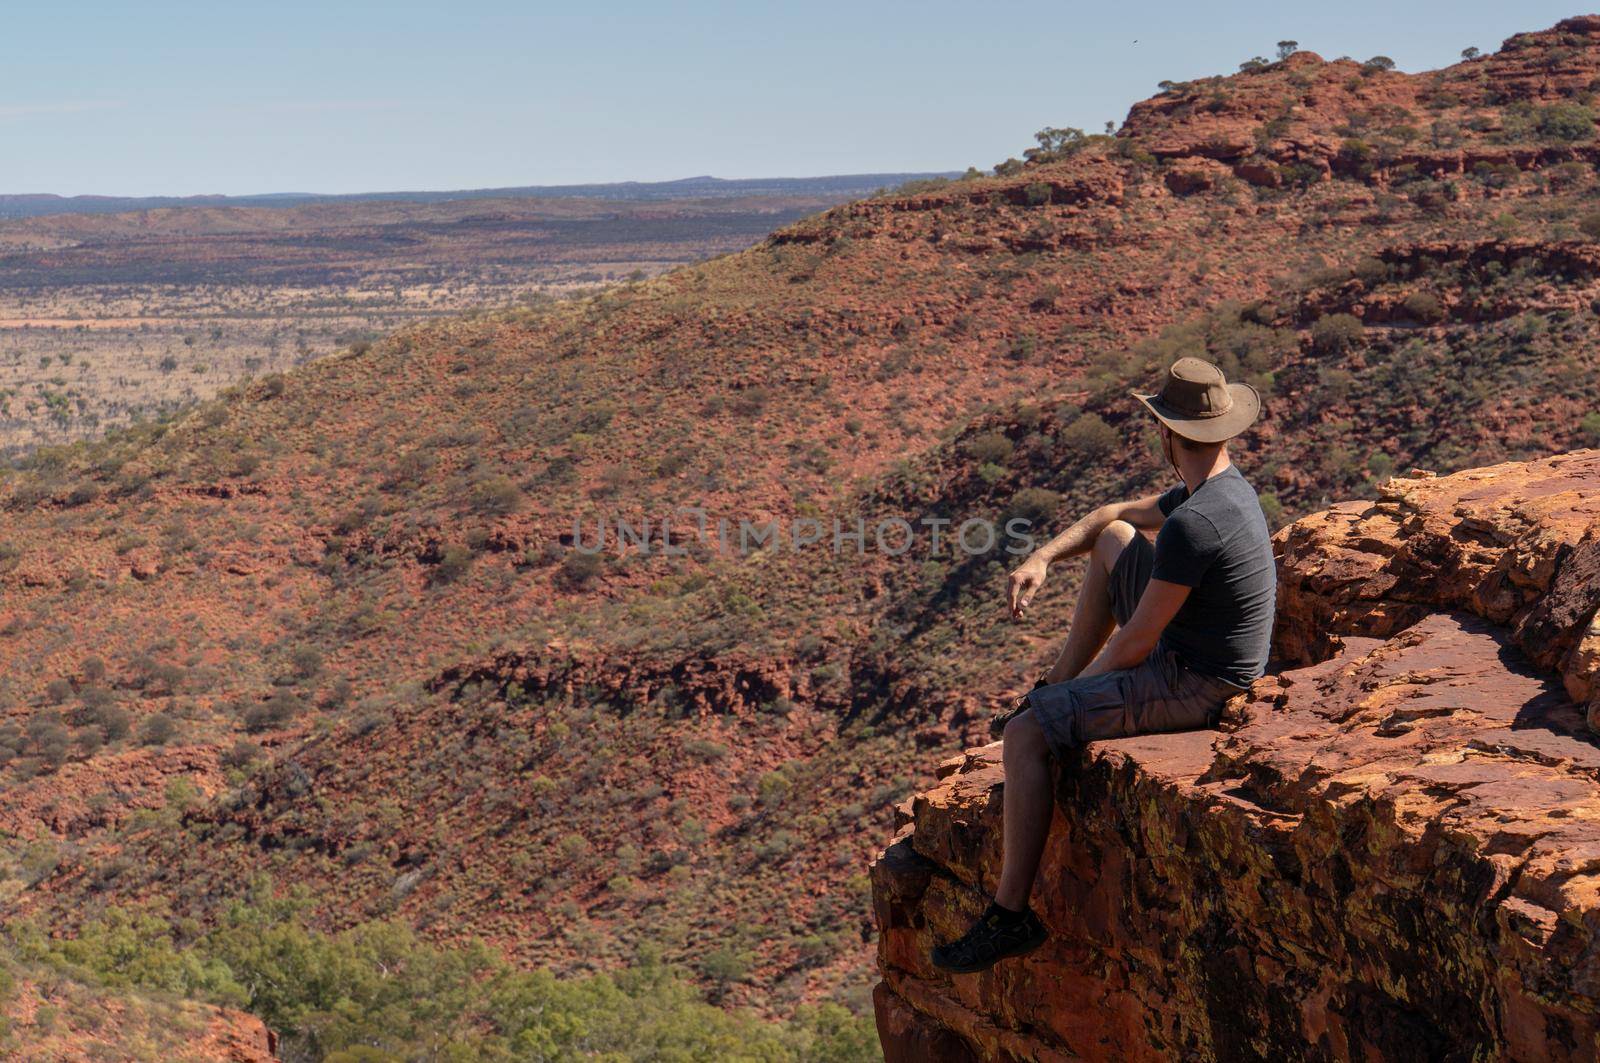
[1271, 508]
[1424, 308]
[1023, 348]
[1565, 121]
[1033, 504]
[305, 661]
[273, 713]
[705, 749]
[772, 787]
[1336, 333]
[989, 447]
[242, 754]
[454, 561]
[579, 569]
[496, 495]
[1301, 174]
[83, 494]
[112, 720]
[158, 730]
[1090, 437]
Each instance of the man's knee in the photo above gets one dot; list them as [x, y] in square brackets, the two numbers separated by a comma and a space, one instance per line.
[1024, 737]
[1112, 540]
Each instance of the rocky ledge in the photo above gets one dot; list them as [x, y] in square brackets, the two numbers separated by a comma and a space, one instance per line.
[1392, 851]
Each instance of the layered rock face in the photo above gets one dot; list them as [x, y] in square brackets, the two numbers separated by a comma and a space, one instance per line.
[1391, 852]
[1305, 112]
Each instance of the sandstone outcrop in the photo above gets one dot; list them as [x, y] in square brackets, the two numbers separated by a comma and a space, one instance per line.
[1517, 544]
[1306, 118]
[1394, 853]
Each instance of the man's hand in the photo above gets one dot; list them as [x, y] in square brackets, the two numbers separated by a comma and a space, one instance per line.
[1025, 583]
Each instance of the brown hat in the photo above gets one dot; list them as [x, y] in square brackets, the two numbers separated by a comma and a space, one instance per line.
[1198, 403]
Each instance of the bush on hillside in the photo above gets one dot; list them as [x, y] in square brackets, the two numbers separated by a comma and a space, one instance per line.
[305, 661]
[579, 569]
[114, 722]
[1423, 308]
[497, 496]
[1023, 348]
[1035, 505]
[273, 713]
[1336, 333]
[158, 730]
[454, 561]
[1272, 509]
[1090, 438]
[1565, 121]
[242, 754]
[1569, 175]
[989, 447]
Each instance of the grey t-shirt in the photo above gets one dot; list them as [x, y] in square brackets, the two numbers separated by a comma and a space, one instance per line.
[1216, 541]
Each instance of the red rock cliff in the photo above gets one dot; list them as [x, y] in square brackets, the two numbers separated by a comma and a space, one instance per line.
[1394, 852]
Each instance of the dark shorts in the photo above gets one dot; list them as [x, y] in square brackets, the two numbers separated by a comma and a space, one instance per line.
[1159, 694]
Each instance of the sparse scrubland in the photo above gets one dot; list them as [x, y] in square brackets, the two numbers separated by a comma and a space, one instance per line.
[108, 318]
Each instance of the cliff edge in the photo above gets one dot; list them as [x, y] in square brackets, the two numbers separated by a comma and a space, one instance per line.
[1391, 852]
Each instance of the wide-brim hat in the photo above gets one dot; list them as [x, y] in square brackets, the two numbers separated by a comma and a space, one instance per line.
[1199, 404]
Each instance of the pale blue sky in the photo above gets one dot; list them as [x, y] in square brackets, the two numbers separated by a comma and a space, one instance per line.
[156, 97]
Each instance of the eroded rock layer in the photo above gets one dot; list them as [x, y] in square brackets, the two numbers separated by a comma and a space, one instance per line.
[1393, 853]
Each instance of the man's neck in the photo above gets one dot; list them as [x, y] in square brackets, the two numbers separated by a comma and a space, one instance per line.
[1197, 469]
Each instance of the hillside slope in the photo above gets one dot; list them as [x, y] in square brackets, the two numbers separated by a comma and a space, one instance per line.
[331, 629]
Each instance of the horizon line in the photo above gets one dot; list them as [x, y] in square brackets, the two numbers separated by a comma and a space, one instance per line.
[473, 188]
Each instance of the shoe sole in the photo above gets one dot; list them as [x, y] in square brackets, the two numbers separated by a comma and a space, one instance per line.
[975, 968]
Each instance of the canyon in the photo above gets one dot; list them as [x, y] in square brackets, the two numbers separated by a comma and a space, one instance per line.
[316, 659]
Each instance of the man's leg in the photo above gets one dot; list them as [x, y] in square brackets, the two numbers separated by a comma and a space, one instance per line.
[1009, 927]
[1092, 618]
[1029, 803]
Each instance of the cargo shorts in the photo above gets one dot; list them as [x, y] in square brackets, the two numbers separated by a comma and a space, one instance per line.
[1159, 694]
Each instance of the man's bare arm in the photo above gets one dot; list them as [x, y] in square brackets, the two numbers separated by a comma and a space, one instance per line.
[1029, 576]
[1132, 642]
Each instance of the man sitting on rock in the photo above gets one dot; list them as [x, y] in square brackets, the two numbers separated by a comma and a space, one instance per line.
[1192, 617]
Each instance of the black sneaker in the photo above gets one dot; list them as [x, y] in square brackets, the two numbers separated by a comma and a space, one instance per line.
[997, 722]
[991, 939]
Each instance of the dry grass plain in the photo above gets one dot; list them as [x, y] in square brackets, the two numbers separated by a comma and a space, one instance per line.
[106, 318]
